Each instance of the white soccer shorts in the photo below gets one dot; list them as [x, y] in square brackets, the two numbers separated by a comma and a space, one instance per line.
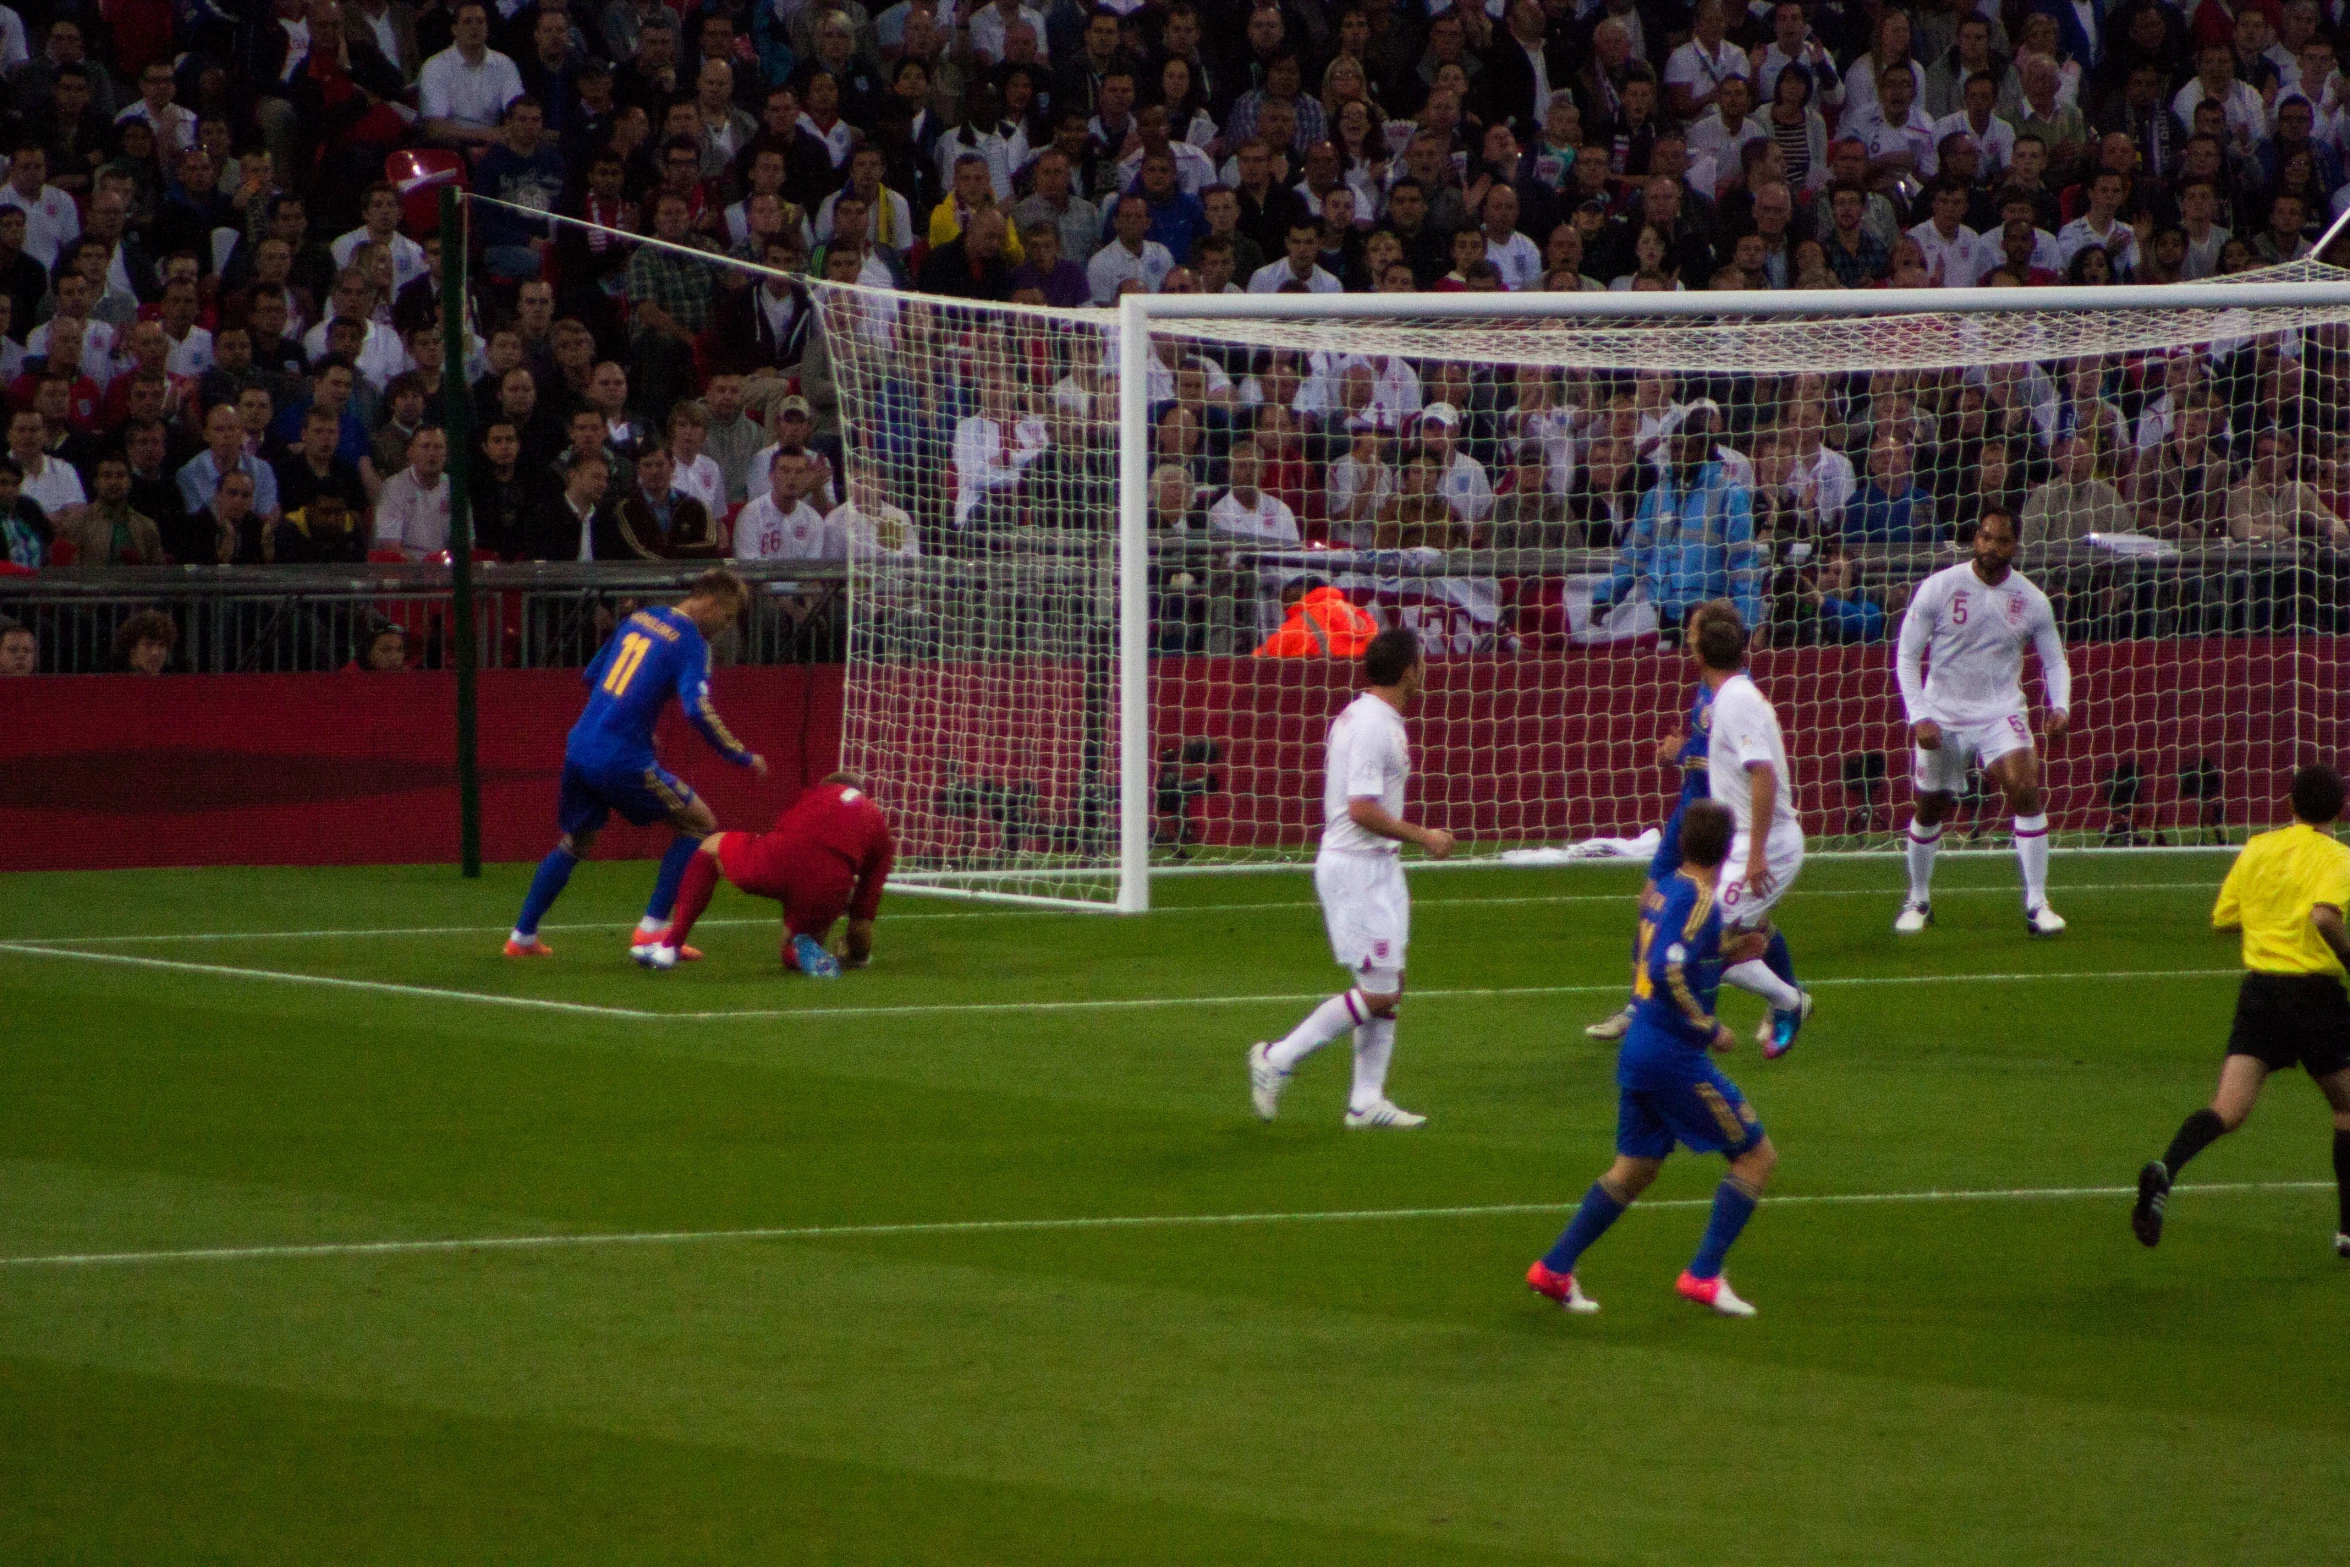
[1742, 907]
[1944, 770]
[1368, 911]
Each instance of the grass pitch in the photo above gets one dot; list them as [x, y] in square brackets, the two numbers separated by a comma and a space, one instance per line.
[928, 1369]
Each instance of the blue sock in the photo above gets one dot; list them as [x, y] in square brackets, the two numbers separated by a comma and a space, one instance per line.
[1733, 1206]
[1600, 1209]
[1777, 959]
[673, 864]
[545, 888]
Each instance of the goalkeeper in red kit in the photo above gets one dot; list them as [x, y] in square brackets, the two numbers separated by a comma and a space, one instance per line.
[827, 856]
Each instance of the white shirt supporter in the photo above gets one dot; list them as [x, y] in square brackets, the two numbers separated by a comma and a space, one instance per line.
[764, 531]
[1269, 521]
[1369, 759]
[1961, 261]
[1746, 732]
[1973, 634]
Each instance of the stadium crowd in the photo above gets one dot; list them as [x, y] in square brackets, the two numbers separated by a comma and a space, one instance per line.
[220, 271]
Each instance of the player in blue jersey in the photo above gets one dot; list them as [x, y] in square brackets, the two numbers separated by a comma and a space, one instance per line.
[1685, 749]
[1668, 1089]
[608, 762]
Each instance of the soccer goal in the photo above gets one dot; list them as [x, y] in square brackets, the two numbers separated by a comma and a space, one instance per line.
[1150, 539]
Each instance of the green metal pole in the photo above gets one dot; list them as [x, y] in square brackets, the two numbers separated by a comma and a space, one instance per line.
[459, 398]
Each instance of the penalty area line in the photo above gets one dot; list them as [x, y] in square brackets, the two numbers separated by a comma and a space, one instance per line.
[939, 1008]
[619, 928]
[950, 1227]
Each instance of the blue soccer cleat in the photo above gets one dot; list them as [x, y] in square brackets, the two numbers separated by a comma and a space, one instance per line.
[1785, 1025]
[813, 960]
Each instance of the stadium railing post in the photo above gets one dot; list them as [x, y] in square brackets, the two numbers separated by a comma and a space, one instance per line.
[454, 284]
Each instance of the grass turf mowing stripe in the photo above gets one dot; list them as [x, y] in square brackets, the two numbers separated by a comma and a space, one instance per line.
[1107, 1004]
[1033, 1226]
[618, 922]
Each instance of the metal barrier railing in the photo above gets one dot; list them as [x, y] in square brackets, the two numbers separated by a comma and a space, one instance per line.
[284, 619]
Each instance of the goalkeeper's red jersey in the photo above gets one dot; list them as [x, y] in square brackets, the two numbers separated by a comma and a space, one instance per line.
[829, 854]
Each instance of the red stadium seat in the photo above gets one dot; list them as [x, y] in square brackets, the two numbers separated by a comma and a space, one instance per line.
[419, 173]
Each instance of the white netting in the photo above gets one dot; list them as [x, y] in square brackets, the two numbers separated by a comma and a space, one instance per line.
[2179, 475]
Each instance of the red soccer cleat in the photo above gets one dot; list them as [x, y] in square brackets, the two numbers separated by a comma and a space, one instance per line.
[1714, 1293]
[533, 948]
[1560, 1287]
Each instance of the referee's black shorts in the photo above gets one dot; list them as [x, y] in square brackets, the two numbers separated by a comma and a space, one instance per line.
[2283, 1020]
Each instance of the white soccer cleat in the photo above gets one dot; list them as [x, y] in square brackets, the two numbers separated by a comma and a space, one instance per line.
[1265, 1080]
[1610, 1028]
[654, 955]
[1714, 1293]
[1913, 918]
[1385, 1113]
[2342, 1247]
[2043, 921]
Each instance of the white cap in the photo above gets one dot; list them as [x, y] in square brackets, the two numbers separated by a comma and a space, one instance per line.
[1440, 413]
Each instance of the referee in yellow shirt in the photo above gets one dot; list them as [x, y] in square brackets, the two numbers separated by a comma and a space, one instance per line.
[2287, 891]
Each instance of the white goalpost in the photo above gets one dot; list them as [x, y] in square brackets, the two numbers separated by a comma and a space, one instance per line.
[1130, 522]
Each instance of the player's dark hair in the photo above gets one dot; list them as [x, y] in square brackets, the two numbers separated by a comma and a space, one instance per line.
[2317, 795]
[1967, 531]
[1721, 642]
[1705, 834]
[1390, 656]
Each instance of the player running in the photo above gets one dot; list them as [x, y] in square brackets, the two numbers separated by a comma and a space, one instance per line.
[2288, 891]
[1667, 1090]
[1971, 622]
[1746, 774]
[827, 856]
[1358, 875]
[608, 761]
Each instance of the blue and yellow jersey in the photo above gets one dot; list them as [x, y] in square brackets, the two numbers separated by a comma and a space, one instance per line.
[1680, 969]
[1696, 747]
[654, 655]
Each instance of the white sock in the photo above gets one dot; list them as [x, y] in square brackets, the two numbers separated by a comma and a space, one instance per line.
[2031, 852]
[1325, 1023]
[1923, 841]
[649, 926]
[1755, 975]
[1374, 1046]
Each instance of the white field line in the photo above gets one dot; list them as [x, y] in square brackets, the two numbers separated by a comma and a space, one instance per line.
[923, 1009]
[854, 1232]
[619, 926]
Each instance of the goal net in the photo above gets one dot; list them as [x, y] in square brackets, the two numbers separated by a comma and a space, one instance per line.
[1542, 498]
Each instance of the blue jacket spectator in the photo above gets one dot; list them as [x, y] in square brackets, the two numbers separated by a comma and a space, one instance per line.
[1693, 538]
[1889, 508]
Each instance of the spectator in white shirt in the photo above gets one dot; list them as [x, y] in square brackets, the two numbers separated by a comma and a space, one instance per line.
[781, 525]
[1899, 137]
[174, 125]
[462, 92]
[2215, 78]
[2102, 225]
[48, 480]
[412, 513]
[1460, 478]
[1133, 257]
[696, 472]
[1517, 258]
[1696, 71]
[989, 26]
[1993, 137]
[1725, 129]
[994, 446]
[1301, 265]
[51, 220]
[1246, 512]
[1956, 256]
[380, 207]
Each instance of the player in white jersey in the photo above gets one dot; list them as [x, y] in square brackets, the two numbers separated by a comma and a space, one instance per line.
[1746, 772]
[1970, 623]
[1359, 877]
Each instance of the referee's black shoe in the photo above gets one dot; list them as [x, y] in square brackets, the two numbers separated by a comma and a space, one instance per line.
[2153, 1192]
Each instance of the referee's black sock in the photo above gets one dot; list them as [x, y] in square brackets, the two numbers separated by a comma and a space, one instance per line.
[2342, 1175]
[2198, 1132]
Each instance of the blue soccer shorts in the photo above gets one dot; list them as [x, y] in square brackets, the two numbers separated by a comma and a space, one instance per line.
[1692, 1103]
[642, 791]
